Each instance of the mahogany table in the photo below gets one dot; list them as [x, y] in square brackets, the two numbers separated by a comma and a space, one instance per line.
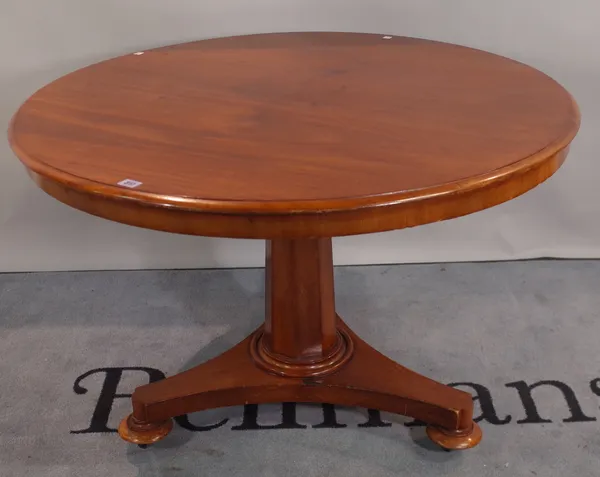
[296, 138]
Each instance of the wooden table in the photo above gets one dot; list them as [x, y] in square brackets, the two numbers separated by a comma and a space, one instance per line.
[296, 138]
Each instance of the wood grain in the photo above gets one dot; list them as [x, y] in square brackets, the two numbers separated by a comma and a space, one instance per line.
[303, 353]
[297, 138]
[369, 380]
[300, 134]
[300, 336]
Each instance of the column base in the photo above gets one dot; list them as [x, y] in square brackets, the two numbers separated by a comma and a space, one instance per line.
[283, 366]
[361, 377]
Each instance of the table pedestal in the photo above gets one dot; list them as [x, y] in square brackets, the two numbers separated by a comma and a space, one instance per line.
[303, 353]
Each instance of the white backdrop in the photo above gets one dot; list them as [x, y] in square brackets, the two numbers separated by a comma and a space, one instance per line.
[41, 40]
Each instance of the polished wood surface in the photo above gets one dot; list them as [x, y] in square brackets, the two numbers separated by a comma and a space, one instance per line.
[368, 380]
[297, 138]
[300, 335]
[303, 353]
[295, 135]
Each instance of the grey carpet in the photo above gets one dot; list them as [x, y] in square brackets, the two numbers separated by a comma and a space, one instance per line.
[502, 327]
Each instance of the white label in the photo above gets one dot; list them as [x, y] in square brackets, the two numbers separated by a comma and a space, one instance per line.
[129, 183]
[138, 53]
[387, 37]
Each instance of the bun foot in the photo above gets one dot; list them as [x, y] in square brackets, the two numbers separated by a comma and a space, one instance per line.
[140, 433]
[455, 439]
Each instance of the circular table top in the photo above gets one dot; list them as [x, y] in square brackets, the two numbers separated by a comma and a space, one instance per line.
[295, 134]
